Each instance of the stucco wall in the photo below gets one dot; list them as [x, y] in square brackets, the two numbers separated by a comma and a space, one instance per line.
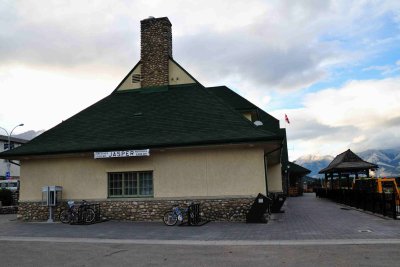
[274, 176]
[177, 75]
[185, 173]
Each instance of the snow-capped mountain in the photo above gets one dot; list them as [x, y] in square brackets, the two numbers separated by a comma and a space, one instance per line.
[388, 161]
[314, 163]
[29, 134]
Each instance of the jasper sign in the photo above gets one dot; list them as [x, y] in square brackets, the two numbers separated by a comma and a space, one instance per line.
[122, 154]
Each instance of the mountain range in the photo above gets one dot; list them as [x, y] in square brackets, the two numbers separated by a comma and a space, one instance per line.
[388, 161]
[29, 134]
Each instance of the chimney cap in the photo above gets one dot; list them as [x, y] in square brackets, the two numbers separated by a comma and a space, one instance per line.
[151, 18]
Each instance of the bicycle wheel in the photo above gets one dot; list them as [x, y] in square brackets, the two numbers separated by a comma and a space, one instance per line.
[89, 215]
[64, 216]
[170, 218]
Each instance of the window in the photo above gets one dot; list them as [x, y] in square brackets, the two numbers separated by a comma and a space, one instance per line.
[130, 184]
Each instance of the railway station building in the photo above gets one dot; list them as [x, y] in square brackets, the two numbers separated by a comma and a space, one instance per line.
[160, 138]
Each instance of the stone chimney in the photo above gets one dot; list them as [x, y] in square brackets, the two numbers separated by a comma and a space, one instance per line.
[156, 48]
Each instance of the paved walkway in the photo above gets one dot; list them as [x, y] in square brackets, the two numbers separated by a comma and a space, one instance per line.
[306, 220]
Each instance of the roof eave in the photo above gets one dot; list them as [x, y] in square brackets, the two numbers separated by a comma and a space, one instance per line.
[16, 156]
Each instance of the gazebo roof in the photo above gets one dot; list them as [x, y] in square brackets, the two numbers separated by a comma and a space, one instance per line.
[348, 161]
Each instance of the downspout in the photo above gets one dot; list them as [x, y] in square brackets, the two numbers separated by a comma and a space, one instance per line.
[265, 174]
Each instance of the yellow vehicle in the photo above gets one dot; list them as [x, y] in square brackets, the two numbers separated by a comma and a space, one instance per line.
[379, 185]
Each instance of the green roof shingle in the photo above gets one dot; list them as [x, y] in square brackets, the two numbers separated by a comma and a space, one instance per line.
[165, 117]
[242, 104]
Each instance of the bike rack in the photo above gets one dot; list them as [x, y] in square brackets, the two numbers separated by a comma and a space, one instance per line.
[93, 206]
[79, 209]
[194, 217]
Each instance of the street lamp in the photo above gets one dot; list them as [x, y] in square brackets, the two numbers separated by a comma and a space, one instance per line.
[9, 146]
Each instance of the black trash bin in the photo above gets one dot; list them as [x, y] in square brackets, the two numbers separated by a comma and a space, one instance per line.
[260, 207]
[277, 201]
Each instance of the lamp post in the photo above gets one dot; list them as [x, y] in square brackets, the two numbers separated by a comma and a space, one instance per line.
[9, 146]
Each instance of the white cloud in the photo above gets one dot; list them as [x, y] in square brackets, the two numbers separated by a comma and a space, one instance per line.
[277, 44]
[363, 104]
[42, 99]
[359, 115]
[385, 69]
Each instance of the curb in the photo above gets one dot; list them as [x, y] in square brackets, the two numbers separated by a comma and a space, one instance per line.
[205, 242]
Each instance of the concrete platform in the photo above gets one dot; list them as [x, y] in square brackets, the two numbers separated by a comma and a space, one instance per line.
[306, 219]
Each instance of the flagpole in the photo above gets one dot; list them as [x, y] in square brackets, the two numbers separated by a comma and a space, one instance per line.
[287, 166]
[287, 122]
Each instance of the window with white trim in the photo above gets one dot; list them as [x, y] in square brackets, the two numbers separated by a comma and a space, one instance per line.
[130, 184]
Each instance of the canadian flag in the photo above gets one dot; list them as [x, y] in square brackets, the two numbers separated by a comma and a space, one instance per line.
[287, 119]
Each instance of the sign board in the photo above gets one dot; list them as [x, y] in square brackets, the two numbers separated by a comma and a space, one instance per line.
[122, 154]
[8, 175]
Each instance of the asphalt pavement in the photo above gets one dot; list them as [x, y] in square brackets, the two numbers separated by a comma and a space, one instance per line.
[310, 230]
[304, 218]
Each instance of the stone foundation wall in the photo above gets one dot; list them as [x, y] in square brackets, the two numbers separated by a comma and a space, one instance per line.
[34, 211]
[227, 209]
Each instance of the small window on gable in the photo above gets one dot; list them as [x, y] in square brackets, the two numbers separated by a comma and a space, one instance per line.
[136, 78]
[247, 115]
[251, 115]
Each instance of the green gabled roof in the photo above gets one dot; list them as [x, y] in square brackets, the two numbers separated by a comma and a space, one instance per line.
[242, 104]
[295, 168]
[169, 117]
[232, 98]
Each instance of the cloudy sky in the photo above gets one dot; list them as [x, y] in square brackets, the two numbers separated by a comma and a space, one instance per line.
[332, 66]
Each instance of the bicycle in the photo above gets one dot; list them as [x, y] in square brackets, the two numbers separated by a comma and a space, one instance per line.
[75, 214]
[176, 214]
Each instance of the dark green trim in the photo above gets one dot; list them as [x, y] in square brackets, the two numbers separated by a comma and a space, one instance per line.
[145, 90]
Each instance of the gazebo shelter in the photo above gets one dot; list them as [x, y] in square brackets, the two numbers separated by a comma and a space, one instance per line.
[345, 165]
[296, 174]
